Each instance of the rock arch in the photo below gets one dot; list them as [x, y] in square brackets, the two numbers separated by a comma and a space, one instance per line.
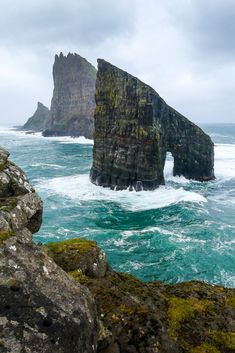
[134, 128]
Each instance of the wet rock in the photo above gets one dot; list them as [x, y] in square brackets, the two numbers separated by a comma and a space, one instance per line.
[73, 102]
[135, 128]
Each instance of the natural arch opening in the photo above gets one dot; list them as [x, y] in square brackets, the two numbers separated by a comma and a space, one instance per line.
[169, 166]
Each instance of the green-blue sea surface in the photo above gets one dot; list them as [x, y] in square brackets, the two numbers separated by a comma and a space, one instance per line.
[182, 231]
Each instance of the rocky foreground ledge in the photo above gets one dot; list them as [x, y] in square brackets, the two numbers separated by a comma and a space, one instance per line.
[41, 309]
[63, 297]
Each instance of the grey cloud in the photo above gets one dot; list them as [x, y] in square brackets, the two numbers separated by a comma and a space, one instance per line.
[214, 26]
[54, 22]
[208, 24]
[182, 48]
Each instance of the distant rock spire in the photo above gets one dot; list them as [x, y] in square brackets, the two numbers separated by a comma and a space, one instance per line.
[40, 119]
[73, 102]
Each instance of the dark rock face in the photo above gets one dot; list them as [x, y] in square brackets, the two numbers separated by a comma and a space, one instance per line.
[134, 128]
[73, 102]
[40, 119]
[41, 308]
[137, 317]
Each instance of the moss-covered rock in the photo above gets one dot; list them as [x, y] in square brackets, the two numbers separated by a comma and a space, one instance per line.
[225, 339]
[151, 317]
[134, 128]
[78, 256]
[4, 235]
[204, 348]
[181, 310]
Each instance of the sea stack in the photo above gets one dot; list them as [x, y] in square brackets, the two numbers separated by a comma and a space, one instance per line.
[73, 102]
[135, 128]
[39, 120]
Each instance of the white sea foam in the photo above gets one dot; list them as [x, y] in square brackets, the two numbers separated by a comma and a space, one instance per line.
[225, 161]
[38, 135]
[128, 233]
[80, 188]
[71, 140]
[47, 165]
[224, 165]
[228, 279]
[175, 237]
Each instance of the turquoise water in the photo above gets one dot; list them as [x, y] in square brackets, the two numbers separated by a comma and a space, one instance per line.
[182, 231]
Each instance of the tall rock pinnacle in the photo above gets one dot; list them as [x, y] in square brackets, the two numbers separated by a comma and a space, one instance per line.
[73, 102]
[135, 128]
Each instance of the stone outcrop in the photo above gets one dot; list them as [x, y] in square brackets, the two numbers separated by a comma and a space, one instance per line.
[137, 317]
[39, 121]
[135, 128]
[73, 102]
[41, 308]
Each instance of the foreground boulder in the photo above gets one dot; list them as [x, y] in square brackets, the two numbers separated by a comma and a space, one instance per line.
[73, 102]
[40, 119]
[41, 308]
[135, 128]
[137, 317]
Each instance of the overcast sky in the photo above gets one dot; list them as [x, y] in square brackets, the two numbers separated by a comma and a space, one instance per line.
[184, 49]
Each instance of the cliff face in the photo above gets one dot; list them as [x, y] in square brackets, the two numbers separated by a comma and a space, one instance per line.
[134, 128]
[41, 308]
[40, 119]
[73, 102]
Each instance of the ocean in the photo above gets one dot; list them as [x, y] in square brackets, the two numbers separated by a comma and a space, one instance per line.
[182, 231]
